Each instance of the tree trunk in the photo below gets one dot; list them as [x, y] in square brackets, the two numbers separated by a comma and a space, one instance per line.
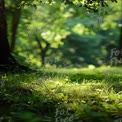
[5, 52]
[43, 50]
[7, 61]
[120, 44]
[43, 55]
[15, 22]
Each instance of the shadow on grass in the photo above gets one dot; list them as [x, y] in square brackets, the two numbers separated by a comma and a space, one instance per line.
[26, 103]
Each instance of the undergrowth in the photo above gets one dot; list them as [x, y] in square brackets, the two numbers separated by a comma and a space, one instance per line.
[62, 95]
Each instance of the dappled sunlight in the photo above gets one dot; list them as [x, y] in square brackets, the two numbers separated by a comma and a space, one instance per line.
[60, 61]
[81, 97]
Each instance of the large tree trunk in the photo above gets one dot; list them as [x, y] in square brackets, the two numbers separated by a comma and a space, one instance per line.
[7, 61]
[5, 52]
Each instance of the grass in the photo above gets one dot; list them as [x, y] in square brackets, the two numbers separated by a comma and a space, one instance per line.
[62, 95]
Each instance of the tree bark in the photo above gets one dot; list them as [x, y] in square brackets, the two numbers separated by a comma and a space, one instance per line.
[5, 52]
[120, 44]
[15, 22]
[7, 61]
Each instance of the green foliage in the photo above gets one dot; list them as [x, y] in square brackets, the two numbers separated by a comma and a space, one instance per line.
[35, 97]
[90, 4]
[71, 32]
[92, 94]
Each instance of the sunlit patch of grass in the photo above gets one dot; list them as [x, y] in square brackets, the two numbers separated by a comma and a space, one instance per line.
[75, 89]
[89, 94]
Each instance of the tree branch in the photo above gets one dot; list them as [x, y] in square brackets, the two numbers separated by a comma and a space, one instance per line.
[86, 6]
[38, 41]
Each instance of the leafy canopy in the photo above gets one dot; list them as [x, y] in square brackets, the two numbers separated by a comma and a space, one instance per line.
[89, 4]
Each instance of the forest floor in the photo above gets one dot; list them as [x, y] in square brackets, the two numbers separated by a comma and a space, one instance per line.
[62, 95]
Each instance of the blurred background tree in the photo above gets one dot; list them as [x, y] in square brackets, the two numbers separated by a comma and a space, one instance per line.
[63, 34]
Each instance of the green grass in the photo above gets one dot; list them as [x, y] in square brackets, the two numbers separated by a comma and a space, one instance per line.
[87, 95]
